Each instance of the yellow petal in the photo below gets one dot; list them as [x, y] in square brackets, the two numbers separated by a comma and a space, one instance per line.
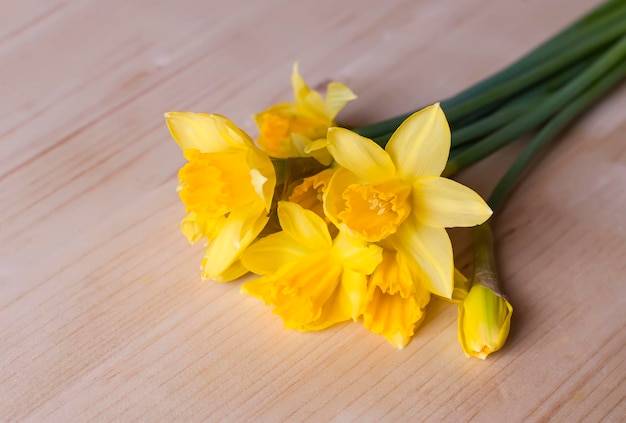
[359, 256]
[261, 288]
[314, 107]
[344, 304]
[234, 271]
[319, 144]
[305, 287]
[205, 133]
[304, 225]
[429, 252]
[334, 202]
[444, 203]
[263, 176]
[337, 95]
[421, 144]
[195, 226]
[300, 88]
[240, 229]
[354, 284]
[317, 149]
[268, 254]
[360, 155]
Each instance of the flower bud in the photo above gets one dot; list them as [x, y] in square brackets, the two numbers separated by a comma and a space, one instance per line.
[485, 314]
[484, 321]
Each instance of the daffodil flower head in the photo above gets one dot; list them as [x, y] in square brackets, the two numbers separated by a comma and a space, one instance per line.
[226, 185]
[484, 321]
[395, 304]
[398, 194]
[289, 129]
[311, 280]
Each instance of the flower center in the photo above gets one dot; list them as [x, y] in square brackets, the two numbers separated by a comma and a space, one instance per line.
[374, 211]
[214, 184]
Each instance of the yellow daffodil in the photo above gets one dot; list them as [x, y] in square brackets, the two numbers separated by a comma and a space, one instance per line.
[395, 304]
[484, 322]
[398, 194]
[226, 186]
[288, 129]
[311, 280]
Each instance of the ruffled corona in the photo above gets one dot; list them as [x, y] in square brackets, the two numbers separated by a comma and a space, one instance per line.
[395, 304]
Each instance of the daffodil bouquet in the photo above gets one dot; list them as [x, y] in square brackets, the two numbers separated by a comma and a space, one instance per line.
[350, 225]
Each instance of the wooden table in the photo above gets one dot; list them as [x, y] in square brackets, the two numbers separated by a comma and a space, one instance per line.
[102, 311]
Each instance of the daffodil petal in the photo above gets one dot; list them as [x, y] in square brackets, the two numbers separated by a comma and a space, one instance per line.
[357, 255]
[344, 304]
[240, 229]
[320, 144]
[235, 137]
[299, 143]
[360, 155]
[263, 176]
[304, 225]
[205, 133]
[334, 203]
[421, 144]
[444, 203]
[337, 95]
[300, 88]
[268, 254]
[429, 251]
[194, 226]
[234, 271]
[261, 288]
[314, 107]
[322, 156]
[317, 149]
[354, 284]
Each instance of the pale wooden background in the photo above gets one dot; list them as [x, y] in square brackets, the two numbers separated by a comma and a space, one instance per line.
[103, 316]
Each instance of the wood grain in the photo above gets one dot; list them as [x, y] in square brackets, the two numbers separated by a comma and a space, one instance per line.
[103, 316]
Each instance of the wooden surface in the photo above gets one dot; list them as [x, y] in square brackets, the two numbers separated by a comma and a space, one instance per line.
[103, 315]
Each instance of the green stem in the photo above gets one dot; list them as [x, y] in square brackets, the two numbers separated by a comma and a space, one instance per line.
[576, 41]
[555, 126]
[529, 121]
[465, 134]
[485, 272]
[541, 71]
